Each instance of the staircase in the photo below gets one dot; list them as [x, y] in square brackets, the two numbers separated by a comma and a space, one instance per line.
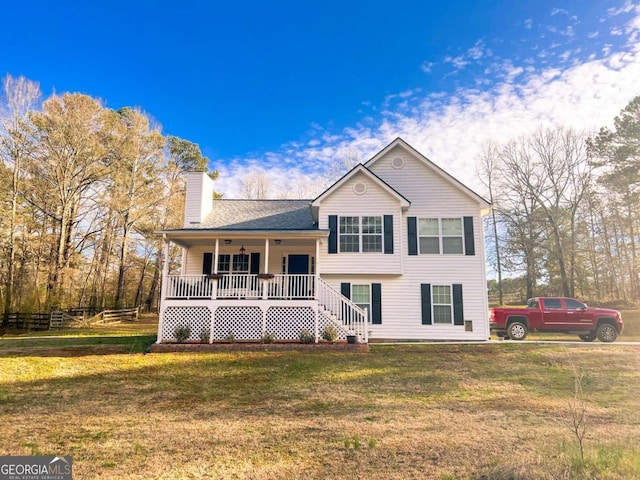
[346, 316]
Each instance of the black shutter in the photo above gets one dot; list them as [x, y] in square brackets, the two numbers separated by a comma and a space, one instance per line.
[458, 312]
[207, 262]
[254, 267]
[333, 234]
[388, 234]
[345, 290]
[425, 294]
[469, 246]
[412, 230]
[376, 303]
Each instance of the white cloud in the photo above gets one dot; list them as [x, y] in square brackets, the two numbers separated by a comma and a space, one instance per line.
[528, 23]
[426, 67]
[626, 8]
[557, 11]
[458, 62]
[450, 128]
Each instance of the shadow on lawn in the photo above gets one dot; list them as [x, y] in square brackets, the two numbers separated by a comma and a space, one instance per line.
[74, 346]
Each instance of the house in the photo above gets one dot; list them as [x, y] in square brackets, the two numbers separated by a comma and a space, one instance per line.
[392, 250]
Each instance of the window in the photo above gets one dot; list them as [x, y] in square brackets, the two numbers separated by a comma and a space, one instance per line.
[451, 235]
[349, 234]
[361, 234]
[361, 296]
[224, 263]
[372, 234]
[574, 304]
[441, 300]
[441, 235]
[240, 263]
[429, 233]
[552, 304]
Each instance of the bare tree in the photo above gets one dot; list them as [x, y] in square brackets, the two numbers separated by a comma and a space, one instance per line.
[487, 167]
[256, 185]
[20, 96]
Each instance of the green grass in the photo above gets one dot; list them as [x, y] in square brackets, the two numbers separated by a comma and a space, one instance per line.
[404, 411]
[126, 337]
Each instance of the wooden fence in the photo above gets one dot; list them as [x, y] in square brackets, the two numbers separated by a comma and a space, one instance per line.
[72, 318]
[27, 321]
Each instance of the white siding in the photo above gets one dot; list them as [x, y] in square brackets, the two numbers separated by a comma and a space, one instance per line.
[199, 198]
[430, 196]
[375, 202]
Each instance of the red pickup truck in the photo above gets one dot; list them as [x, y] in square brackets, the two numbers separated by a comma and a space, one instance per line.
[557, 315]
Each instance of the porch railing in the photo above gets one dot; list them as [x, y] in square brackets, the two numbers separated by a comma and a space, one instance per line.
[282, 286]
[343, 310]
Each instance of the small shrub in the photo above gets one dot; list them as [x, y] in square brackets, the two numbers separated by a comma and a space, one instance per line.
[268, 338]
[306, 336]
[231, 338]
[182, 333]
[352, 442]
[330, 334]
[205, 335]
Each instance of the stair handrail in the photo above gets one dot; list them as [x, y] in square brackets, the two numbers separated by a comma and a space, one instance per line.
[348, 313]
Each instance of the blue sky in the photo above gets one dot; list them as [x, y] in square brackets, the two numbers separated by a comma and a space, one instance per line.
[288, 87]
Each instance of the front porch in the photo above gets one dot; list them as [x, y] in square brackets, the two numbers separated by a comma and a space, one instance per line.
[236, 298]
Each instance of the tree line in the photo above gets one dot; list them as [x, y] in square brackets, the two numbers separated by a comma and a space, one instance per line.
[83, 188]
[565, 211]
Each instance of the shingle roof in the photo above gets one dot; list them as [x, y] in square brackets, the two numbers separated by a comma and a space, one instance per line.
[259, 215]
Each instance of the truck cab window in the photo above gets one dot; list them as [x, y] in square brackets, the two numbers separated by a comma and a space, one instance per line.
[552, 304]
[574, 304]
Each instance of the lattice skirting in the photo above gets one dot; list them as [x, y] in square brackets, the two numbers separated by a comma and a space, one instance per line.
[325, 321]
[286, 323]
[198, 319]
[242, 323]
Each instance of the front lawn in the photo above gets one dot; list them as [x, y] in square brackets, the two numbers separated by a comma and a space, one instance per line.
[407, 411]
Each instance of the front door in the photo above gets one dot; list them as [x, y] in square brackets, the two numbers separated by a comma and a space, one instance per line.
[298, 264]
[298, 279]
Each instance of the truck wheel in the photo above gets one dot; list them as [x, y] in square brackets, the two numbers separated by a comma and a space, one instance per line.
[607, 333]
[517, 331]
[590, 337]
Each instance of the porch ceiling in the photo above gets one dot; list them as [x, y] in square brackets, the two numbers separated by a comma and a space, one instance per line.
[190, 238]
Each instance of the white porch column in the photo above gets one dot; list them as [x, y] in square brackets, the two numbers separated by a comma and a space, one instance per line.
[264, 283]
[216, 253]
[165, 280]
[315, 286]
[215, 256]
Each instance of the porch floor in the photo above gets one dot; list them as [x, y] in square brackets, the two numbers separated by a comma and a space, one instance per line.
[259, 347]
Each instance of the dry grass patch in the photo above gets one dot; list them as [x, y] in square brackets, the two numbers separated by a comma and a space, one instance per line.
[442, 411]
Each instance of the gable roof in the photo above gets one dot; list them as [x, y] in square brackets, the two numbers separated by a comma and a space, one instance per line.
[399, 142]
[376, 179]
[259, 215]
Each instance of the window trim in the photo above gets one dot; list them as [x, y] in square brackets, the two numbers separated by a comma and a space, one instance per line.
[441, 236]
[434, 304]
[231, 263]
[378, 222]
[369, 305]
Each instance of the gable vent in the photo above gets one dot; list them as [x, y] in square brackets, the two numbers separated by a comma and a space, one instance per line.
[359, 188]
[397, 163]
